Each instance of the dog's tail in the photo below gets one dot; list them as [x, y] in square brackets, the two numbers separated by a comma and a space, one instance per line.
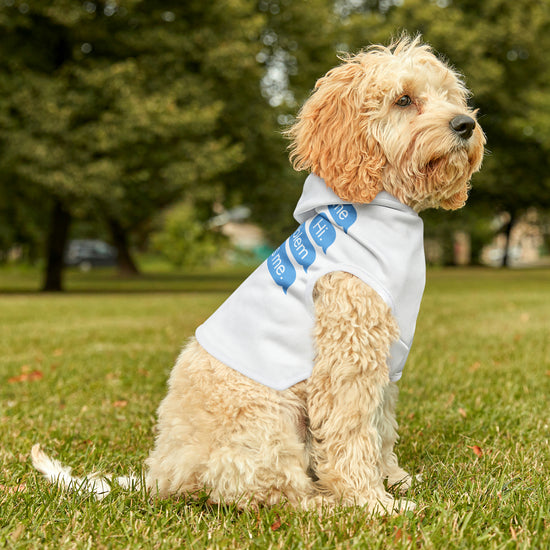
[96, 484]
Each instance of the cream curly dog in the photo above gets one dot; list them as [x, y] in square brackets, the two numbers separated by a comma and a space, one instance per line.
[315, 339]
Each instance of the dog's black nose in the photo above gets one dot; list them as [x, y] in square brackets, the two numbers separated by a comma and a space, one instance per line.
[463, 126]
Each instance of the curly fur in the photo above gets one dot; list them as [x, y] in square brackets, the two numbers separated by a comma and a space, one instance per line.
[318, 443]
[330, 439]
[351, 133]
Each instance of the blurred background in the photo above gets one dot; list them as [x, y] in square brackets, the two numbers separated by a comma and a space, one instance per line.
[134, 132]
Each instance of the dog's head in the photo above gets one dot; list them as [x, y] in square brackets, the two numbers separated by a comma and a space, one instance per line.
[393, 119]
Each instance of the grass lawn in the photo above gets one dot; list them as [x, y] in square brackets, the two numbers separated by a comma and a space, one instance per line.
[83, 372]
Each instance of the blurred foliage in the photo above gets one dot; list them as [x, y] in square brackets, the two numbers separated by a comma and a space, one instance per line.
[185, 240]
[119, 109]
[112, 108]
[443, 226]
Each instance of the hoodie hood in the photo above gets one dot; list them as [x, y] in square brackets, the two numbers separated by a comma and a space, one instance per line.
[316, 195]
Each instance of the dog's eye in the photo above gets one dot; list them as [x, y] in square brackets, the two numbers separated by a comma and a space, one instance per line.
[404, 101]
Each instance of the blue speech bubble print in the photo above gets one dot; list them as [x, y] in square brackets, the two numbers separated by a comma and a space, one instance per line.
[302, 248]
[322, 232]
[344, 215]
[281, 269]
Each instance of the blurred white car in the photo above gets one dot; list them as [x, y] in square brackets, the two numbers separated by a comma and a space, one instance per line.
[89, 253]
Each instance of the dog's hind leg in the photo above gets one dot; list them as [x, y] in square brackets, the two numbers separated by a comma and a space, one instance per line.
[261, 458]
[353, 332]
[240, 441]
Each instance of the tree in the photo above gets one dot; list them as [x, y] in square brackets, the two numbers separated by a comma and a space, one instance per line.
[184, 240]
[295, 47]
[114, 108]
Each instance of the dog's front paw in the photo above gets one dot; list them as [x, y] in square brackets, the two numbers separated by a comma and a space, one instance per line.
[404, 505]
[391, 506]
[399, 480]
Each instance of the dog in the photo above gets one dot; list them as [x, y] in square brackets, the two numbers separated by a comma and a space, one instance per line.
[288, 392]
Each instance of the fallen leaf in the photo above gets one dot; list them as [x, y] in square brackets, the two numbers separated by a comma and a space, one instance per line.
[477, 450]
[120, 404]
[26, 377]
[12, 489]
[398, 535]
[276, 524]
[548, 373]
[475, 366]
[57, 352]
[462, 412]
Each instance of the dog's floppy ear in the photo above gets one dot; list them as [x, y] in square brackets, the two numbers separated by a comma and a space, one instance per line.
[331, 136]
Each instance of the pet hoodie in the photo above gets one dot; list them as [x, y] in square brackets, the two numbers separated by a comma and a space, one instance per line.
[264, 329]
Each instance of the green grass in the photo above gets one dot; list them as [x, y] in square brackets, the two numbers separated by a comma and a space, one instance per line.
[84, 372]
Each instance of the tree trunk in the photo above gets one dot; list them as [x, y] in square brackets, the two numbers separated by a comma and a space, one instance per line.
[507, 233]
[125, 263]
[56, 244]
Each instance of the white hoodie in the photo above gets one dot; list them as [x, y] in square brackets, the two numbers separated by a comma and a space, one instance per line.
[264, 329]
